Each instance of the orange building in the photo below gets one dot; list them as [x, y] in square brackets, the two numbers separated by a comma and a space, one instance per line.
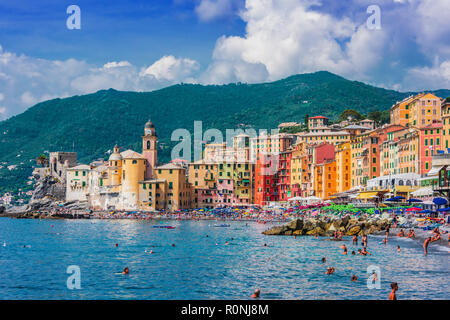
[343, 167]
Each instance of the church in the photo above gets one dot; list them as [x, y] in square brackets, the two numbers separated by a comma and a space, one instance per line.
[131, 181]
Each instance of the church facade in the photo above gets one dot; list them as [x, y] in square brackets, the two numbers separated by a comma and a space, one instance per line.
[131, 181]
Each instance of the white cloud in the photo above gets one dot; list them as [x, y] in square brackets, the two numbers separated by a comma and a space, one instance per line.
[208, 10]
[27, 98]
[287, 37]
[169, 68]
[115, 64]
[2, 96]
[434, 77]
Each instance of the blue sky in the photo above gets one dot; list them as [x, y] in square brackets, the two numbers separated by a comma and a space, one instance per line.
[138, 30]
[144, 45]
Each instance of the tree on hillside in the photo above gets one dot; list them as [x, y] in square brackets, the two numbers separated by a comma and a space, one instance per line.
[42, 160]
[306, 121]
[380, 117]
[351, 115]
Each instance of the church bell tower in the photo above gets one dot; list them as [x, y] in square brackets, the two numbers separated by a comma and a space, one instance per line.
[149, 151]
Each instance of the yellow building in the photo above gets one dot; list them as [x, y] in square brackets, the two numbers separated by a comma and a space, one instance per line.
[445, 113]
[425, 110]
[343, 167]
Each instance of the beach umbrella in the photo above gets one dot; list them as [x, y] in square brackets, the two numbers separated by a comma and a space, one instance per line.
[440, 201]
[414, 200]
[413, 209]
[391, 199]
[399, 197]
[426, 211]
[444, 209]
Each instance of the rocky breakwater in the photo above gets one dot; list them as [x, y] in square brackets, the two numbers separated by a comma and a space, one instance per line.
[327, 226]
[47, 201]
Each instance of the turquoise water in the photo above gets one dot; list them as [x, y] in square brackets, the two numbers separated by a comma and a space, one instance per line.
[197, 268]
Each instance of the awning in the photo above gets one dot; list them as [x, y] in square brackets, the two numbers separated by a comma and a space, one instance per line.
[367, 195]
[434, 171]
[423, 192]
[403, 189]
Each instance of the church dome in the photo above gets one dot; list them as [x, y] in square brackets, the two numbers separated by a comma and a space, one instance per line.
[149, 124]
[115, 157]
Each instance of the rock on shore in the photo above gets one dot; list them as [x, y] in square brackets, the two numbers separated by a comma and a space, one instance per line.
[327, 226]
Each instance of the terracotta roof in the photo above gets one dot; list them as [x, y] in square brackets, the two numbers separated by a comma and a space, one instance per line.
[170, 166]
[130, 154]
[318, 117]
[80, 167]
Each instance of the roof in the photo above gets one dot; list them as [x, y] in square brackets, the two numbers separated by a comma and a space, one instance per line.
[329, 133]
[115, 157]
[355, 127]
[149, 125]
[170, 166]
[434, 171]
[153, 181]
[80, 167]
[100, 168]
[130, 154]
[433, 125]
[318, 117]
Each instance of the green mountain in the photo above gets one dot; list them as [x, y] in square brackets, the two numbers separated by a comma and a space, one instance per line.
[91, 124]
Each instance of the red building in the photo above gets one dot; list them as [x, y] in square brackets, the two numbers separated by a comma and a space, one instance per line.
[265, 179]
[284, 176]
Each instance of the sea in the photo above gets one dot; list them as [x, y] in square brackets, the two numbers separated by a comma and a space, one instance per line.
[79, 259]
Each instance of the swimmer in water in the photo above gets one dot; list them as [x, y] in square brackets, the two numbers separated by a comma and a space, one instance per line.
[265, 244]
[394, 287]
[324, 260]
[425, 245]
[353, 253]
[365, 252]
[117, 245]
[355, 240]
[398, 248]
[256, 294]
[354, 278]
[385, 240]
[330, 270]
[173, 244]
[227, 243]
[364, 240]
[401, 233]
[345, 249]
[126, 271]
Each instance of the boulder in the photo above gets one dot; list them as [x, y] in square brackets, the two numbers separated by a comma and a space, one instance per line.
[275, 231]
[316, 231]
[288, 233]
[296, 224]
[345, 220]
[297, 233]
[355, 229]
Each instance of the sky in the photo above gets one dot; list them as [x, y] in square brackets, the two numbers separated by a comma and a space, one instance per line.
[144, 45]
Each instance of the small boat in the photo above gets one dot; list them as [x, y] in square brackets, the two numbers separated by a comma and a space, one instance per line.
[164, 227]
